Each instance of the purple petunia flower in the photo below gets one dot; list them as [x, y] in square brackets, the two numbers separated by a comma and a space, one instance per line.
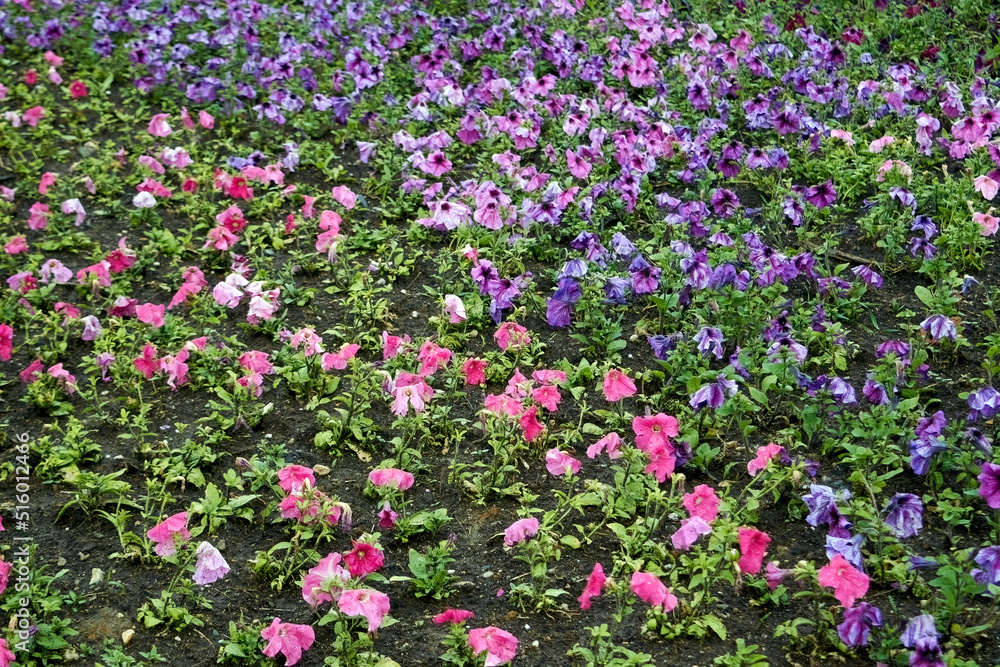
[897, 347]
[615, 290]
[904, 515]
[822, 504]
[921, 452]
[821, 195]
[714, 394]
[938, 327]
[866, 274]
[919, 563]
[842, 391]
[989, 560]
[875, 392]
[919, 627]
[978, 440]
[858, 622]
[709, 340]
[645, 277]
[622, 246]
[989, 484]
[931, 427]
[983, 403]
[663, 345]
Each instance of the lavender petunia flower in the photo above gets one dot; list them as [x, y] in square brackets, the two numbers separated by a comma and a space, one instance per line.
[897, 347]
[822, 502]
[848, 547]
[663, 345]
[919, 563]
[867, 275]
[979, 441]
[645, 277]
[983, 403]
[931, 427]
[714, 394]
[822, 195]
[709, 340]
[858, 622]
[989, 560]
[615, 290]
[904, 515]
[938, 327]
[622, 246]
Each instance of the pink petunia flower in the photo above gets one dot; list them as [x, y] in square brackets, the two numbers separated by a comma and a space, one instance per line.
[147, 364]
[16, 245]
[33, 115]
[595, 583]
[753, 544]
[547, 396]
[988, 223]
[560, 463]
[169, 534]
[289, 639]
[33, 373]
[474, 371]
[432, 358]
[519, 531]
[206, 120]
[38, 216]
[158, 126]
[611, 443]
[47, 181]
[530, 426]
[702, 503]
[6, 341]
[847, 582]
[765, 454]
[371, 604]
[77, 89]
[511, 336]
[500, 645]
[391, 477]
[984, 185]
[654, 431]
[648, 588]
[7, 656]
[338, 360]
[345, 196]
[74, 207]
[309, 342]
[293, 477]
[453, 616]
[151, 314]
[617, 386]
[210, 566]
[325, 582]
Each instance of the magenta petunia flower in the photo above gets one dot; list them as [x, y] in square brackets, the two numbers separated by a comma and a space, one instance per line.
[617, 386]
[595, 583]
[753, 544]
[364, 558]
[169, 533]
[648, 588]
[989, 484]
[765, 454]
[453, 616]
[391, 477]
[560, 463]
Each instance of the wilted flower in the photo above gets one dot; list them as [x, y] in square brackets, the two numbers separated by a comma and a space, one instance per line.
[595, 582]
[617, 385]
[169, 534]
[938, 327]
[648, 588]
[211, 566]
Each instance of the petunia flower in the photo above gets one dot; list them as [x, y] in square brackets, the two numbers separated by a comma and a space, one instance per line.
[774, 575]
[689, 532]
[617, 386]
[210, 566]
[989, 484]
[453, 616]
[500, 645]
[938, 327]
[847, 582]
[289, 639]
[519, 531]
[169, 533]
[325, 582]
[151, 314]
[560, 463]
[753, 544]
[454, 309]
[364, 558]
[611, 443]
[392, 478]
[858, 622]
[345, 196]
[648, 588]
[371, 604]
[764, 455]
[702, 503]
[904, 515]
[655, 430]
[293, 477]
[595, 583]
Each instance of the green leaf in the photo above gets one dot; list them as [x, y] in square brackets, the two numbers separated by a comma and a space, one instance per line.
[569, 541]
[716, 625]
[924, 295]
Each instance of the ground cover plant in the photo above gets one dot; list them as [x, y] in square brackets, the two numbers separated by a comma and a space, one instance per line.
[474, 333]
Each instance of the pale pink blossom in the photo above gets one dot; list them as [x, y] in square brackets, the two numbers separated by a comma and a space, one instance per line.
[47, 180]
[689, 532]
[158, 126]
[879, 144]
[988, 223]
[74, 207]
[391, 477]
[325, 582]
[210, 566]
[560, 463]
[205, 120]
[844, 136]
[151, 314]
[500, 645]
[169, 533]
[986, 186]
[454, 309]
[289, 639]
[371, 604]
[308, 340]
[519, 531]
[345, 196]
[611, 443]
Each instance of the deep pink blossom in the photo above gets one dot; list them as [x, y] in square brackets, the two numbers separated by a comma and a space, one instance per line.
[595, 583]
[364, 558]
[453, 616]
[560, 463]
[764, 455]
[654, 430]
[325, 582]
[702, 502]
[753, 544]
[648, 588]
[338, 360]
[611, 443]
[293, 477]
[847, 582]
[474, 371]
[6, 341]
